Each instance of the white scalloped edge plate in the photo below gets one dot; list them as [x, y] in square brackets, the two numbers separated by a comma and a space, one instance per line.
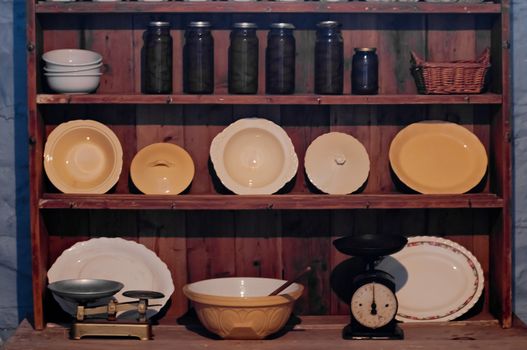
[337, 163]
[436, 279]
[253, 156]
[117, 259]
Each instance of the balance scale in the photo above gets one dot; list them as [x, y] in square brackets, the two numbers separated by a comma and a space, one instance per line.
[85, 291]
[373, 302]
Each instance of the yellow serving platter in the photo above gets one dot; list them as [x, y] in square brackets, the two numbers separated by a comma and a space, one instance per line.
[438, 157]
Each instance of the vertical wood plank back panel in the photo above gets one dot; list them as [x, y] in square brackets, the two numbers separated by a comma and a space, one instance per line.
[291, 118]
[258, 244]
[221, 54]
[305, 61]
[203, 123]
[211, 245]
[398, 36]
[164, 233]
[461, 41]
[309, 234]
[114, 41]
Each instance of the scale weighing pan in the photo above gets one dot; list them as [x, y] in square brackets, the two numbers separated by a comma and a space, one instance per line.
[370, 246]
[85, 290]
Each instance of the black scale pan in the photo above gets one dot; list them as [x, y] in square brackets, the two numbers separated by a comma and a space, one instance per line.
[370, 246]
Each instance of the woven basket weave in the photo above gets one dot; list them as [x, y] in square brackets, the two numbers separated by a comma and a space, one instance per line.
[458, 77]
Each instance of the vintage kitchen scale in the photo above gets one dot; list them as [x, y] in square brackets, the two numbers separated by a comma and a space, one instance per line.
[373, 301]
[102, 320]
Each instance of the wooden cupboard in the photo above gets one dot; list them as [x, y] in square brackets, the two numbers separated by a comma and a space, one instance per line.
[207, 232]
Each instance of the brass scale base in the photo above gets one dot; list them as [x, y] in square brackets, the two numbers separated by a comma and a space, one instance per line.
[102, 328]
[111, 327]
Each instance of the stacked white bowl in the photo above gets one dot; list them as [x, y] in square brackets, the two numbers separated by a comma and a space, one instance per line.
[72, 71]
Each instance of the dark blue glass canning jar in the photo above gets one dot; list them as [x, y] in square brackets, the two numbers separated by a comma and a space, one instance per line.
[280, 59]
[243, 59]
[329, 58]
[365, 72]
[198, 59]
[158, 59]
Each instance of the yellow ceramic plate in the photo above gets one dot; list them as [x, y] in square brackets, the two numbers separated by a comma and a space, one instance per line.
[253, 156]
[162, 168]
[83, 156]
[337, 163]
[437, 157]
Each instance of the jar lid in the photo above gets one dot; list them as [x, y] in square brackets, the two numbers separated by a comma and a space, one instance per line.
[282, 26]
[365, 49]
[328, 24]
[199, 24]
[159, 24]
[245, 25]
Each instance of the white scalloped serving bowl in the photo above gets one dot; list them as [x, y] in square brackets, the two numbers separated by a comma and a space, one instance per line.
[253, 156]
[83, 156]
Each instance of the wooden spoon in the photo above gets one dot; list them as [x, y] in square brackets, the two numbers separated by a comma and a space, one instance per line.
[290, 282]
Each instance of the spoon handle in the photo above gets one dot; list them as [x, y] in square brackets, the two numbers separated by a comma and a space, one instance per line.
[290, 282]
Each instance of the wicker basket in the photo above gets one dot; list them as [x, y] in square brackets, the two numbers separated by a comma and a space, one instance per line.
[458, 77]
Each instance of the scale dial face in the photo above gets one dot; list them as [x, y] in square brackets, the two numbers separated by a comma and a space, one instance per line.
[373, 305]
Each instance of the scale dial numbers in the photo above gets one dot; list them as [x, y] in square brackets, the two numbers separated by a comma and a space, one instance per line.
[373, 305]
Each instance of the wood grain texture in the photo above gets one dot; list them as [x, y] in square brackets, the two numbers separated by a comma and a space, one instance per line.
[311, 334]
[266, 7]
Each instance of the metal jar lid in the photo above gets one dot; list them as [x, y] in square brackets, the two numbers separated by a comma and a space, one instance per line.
[328, 24]
[199, 24]
[365, 49]
[159, 24]
[282, 26]
[245, 25]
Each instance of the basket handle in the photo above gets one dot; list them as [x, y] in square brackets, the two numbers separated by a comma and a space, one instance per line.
[484, 58]
[415, 60]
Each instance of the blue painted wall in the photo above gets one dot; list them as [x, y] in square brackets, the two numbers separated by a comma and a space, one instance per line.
[15, 257]
[15, 277]
[519, 84]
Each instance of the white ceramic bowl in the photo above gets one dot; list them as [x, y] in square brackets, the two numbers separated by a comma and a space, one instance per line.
[91, 69]
[240, 307]
[74, 83]
[58, 59]
[83, 156]
[253, 156]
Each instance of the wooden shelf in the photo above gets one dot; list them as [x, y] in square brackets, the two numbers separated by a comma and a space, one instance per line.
[265, 7]
[259, 202]
[488, 98]
[319, 334]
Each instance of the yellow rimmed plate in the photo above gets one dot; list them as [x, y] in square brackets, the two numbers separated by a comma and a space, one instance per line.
[438, 157]
[162, 168]
[337, 163]
[83, 156]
